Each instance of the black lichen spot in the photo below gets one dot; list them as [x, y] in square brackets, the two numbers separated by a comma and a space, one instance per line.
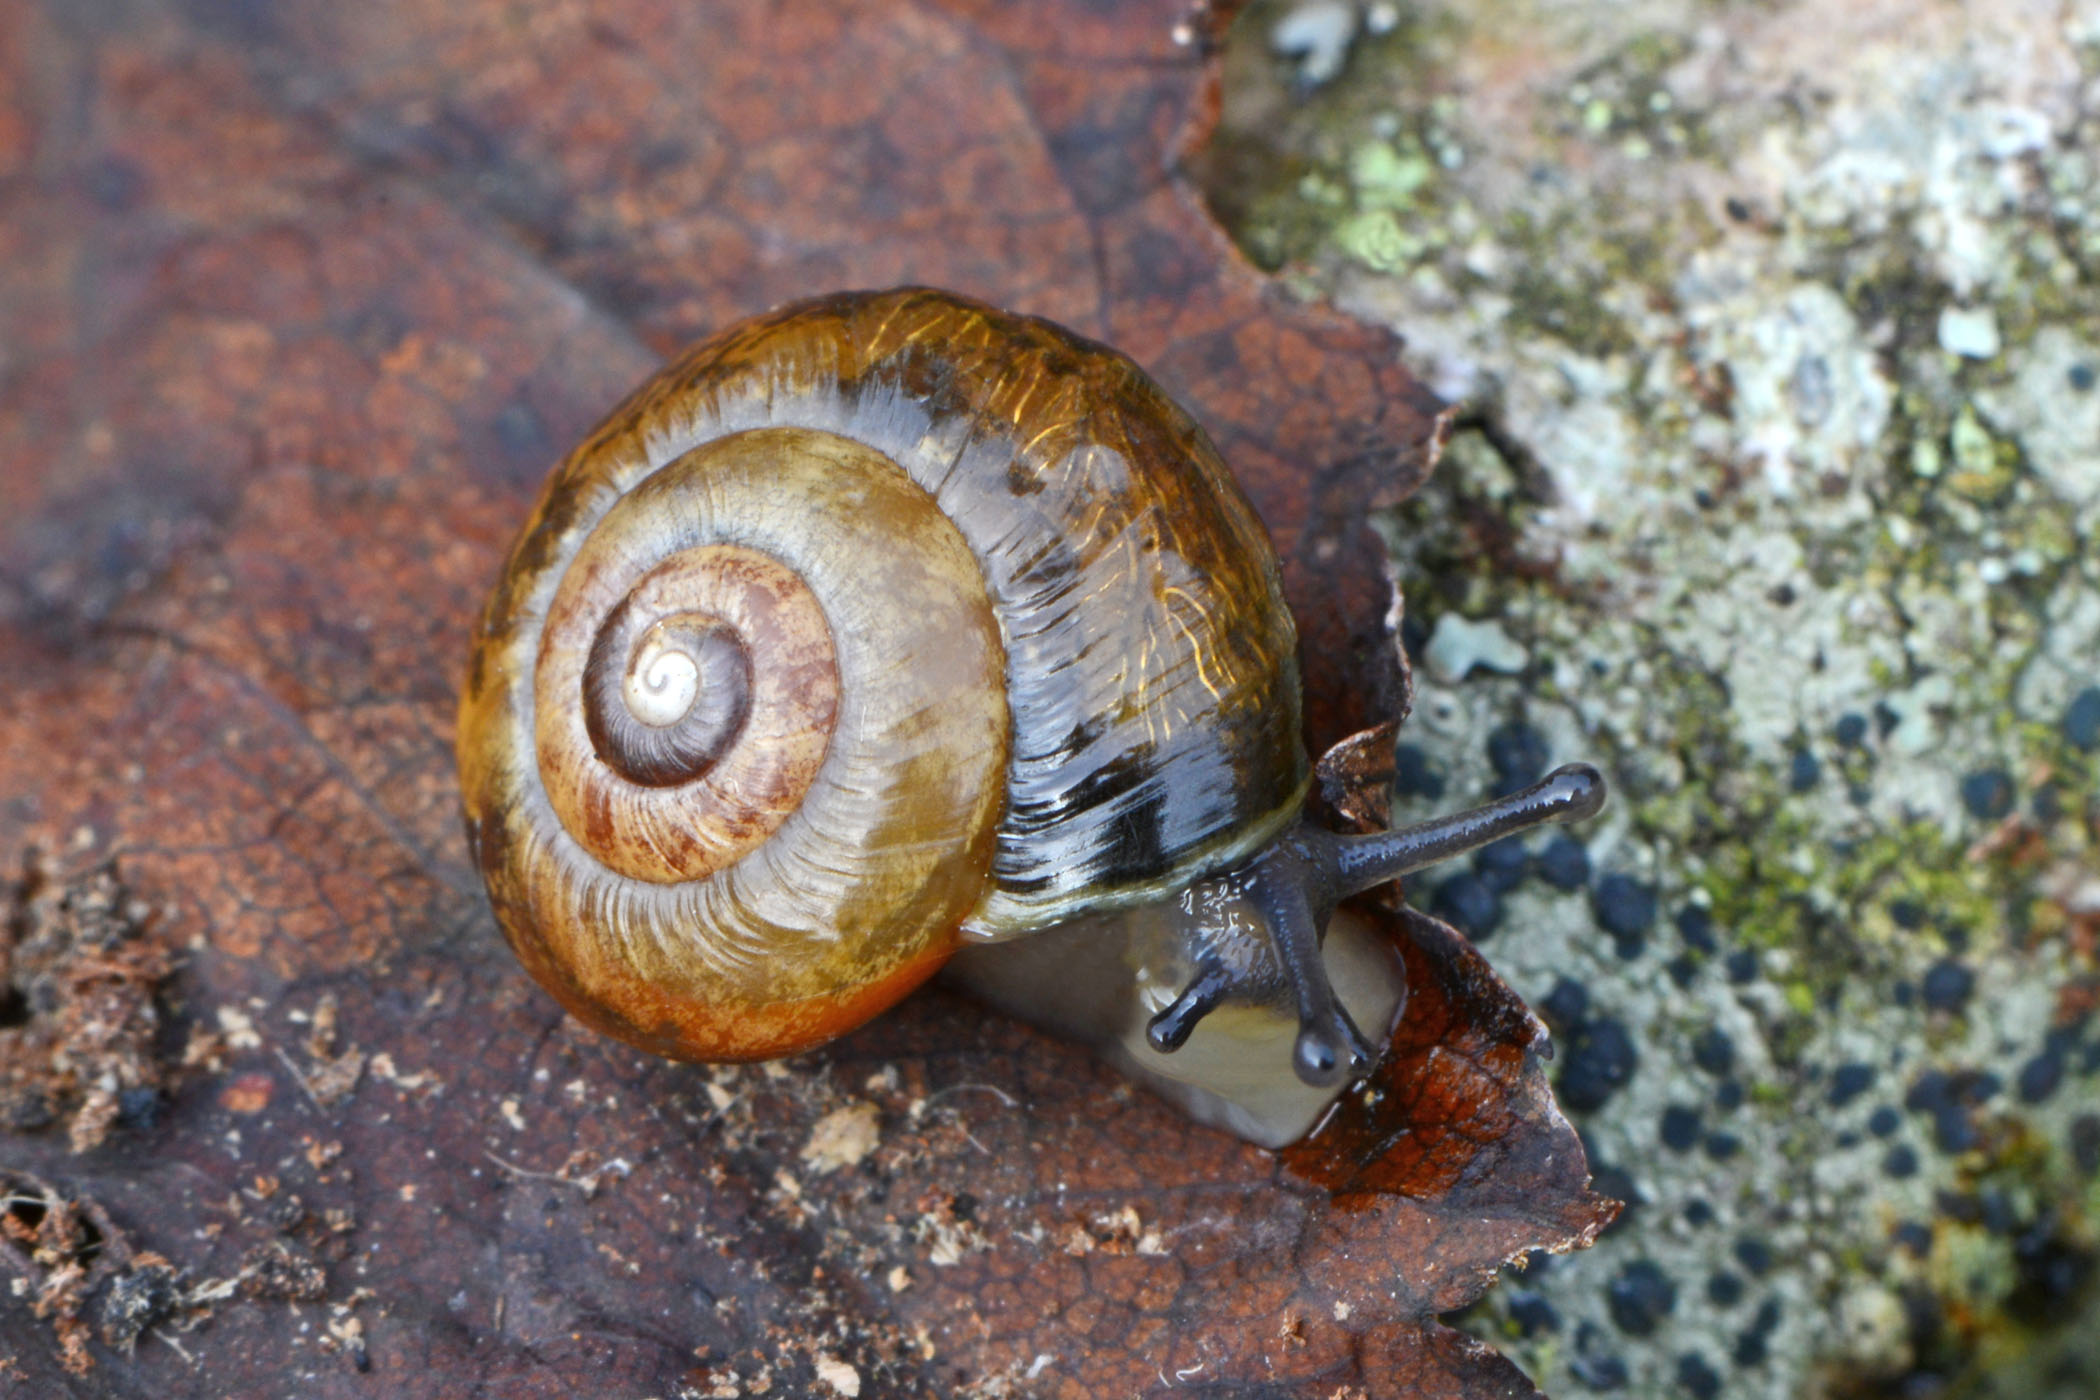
[1742, 966]
[2053, 1274]
[1901, 1163]
[2080, 377]
[1724, 1289]
[1617, 1183]
[1413, 776]
[1884, 1121]
[1947, 985]
[1600, 1372]
[2081, 722]
[1851, 729]
[1680, 1128]
[1601, 1058]
[1501, 865]
[1751, 1347]
[1721, 1146]
[2085, 1142]
[2040, 1076]
[1754, 1255]
[1804, 771]
[1697, 1379]
[1849, 1081]
[1929, 1091]
[1641, 1297]
[1987, 794]
[1683, 971]
[1518, 754]
[1625, 909]
[1414, 635]
[1467, 904]
[1728, 1095]
[1952, 1131]
[1695, 925]
[1714, 1051]
[1531, 1313]
[1564, 863]
[1567, 1005]
[1913, 1238]
[1698, 1213]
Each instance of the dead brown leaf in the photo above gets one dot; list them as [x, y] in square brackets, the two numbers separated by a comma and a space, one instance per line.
[298, 301]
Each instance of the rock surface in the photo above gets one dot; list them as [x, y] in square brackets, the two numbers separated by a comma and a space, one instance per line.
[1781, 335]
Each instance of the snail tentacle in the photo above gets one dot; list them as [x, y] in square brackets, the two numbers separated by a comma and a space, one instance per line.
[1569, 793]
[1171, 1028]
[1329, 1049]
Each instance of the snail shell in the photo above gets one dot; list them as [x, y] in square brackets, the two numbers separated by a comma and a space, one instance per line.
[880, 624]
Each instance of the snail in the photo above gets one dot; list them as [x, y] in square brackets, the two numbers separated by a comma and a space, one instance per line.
[887, 629]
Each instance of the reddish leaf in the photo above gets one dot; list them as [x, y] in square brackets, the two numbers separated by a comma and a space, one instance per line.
[299, 300]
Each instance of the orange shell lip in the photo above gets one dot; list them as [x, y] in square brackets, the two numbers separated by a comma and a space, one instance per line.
[680, 1029]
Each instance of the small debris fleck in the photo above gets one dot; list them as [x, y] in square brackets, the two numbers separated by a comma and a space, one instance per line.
[1459, 644]
[1318, 35]
[80, 979]
[841, 1377]
[843, 1137]
[1971, 332]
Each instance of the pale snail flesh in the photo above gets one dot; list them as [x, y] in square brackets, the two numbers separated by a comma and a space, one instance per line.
[888, 625]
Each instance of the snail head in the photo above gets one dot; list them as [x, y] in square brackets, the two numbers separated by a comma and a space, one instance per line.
[1295, 883]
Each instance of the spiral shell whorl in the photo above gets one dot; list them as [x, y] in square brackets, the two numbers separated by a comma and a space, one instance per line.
[665, 697]
[818, 860]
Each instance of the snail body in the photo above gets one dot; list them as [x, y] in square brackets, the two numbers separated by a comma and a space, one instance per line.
[880, 626]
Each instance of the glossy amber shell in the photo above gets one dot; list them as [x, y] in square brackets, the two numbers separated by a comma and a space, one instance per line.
[1111, 669]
